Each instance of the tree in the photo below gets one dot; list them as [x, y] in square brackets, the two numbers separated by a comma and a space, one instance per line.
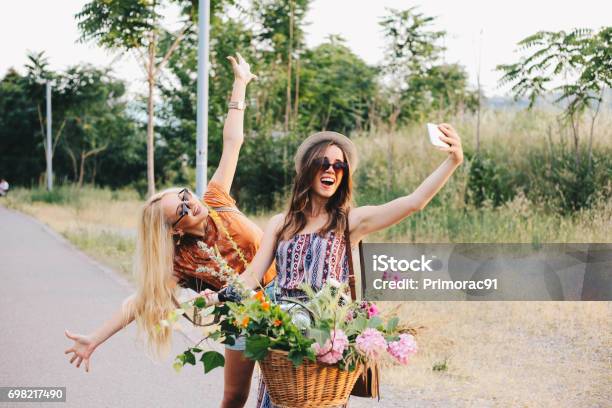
[135, 26]
[337, 87]
[579, 61]
[20, 143]
[415, 80]
[93, 113]
[90, 115]
[412, 50]
[280, 27]
[177, 133]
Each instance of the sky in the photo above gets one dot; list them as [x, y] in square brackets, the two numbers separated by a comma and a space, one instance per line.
[50, 26]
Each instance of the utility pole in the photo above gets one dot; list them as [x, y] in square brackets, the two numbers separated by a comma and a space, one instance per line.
[202, 107]
[49, 147]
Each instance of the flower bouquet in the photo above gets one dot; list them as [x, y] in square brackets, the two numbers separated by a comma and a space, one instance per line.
[311, 351]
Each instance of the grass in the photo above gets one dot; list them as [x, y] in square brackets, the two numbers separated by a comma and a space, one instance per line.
[528, 354]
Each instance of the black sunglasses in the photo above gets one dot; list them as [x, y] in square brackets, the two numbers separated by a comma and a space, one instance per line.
[324, 164]
[183, 208]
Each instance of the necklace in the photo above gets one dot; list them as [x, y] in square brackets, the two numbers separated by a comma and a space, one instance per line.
[219, 223]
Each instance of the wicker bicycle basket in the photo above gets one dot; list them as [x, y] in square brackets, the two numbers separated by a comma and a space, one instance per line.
[309, 385]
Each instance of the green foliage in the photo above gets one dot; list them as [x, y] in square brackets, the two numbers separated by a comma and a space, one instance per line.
[118, 23]
[330, 87]
[418, 82]
[412, 45]
[257, 347]
[489, 179]
[276, 30]
[212, 360]
[581, 54]
[92, 132]
[555, 182]
[336, 88]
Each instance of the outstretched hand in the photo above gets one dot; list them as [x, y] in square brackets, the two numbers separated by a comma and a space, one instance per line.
[451, 137]
[242, 70]
[82, 348]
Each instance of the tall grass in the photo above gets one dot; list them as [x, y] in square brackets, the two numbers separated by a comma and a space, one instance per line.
[522, 199]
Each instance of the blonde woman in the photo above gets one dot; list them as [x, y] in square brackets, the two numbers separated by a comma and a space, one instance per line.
[308, 241]
[167, 255]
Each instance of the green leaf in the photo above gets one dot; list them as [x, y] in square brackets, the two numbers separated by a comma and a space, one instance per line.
[199, 302]
[212, 360]
[392, 324]
[320, 336]
[297, 357]
[196, 350]
[189, 358]
[257, 347]
[361, 323]
[229, 340]
[215, 335]
[375, 322]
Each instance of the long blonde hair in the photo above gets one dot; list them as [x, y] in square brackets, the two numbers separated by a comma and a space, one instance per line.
[153, 266]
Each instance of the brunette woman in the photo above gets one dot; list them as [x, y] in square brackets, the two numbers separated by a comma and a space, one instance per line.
[307, 241]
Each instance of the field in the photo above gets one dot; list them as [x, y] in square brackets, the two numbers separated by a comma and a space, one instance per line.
[485, 353]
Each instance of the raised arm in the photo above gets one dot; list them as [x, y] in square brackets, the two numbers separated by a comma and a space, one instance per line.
[233, 127]
[371, 218]
[84, 345]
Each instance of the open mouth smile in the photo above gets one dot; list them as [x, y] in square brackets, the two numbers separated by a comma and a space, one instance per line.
[327, 181]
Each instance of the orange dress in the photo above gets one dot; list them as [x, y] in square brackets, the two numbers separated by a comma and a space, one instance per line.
[244, 232]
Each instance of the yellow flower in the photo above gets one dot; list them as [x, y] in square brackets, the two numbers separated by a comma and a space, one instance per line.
[245, 321]
[260, 296]
[265, 306]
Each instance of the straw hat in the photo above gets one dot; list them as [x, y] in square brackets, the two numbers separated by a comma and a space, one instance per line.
[344, 142]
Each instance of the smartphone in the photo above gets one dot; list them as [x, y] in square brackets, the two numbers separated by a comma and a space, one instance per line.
[434, 134]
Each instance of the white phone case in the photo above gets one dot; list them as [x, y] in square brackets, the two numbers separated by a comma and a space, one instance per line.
[434, 134]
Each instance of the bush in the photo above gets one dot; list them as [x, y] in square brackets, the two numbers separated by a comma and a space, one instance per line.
[565, 185]
[489, 179]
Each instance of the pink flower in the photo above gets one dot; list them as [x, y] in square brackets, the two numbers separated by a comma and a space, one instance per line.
[349, 316]
[402, 349]
[372, 311]
[371, 343]
[334, 347]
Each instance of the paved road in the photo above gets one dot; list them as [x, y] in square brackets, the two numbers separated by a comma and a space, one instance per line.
[48, 286]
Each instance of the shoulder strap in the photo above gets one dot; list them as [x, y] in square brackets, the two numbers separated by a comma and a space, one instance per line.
[347, 240]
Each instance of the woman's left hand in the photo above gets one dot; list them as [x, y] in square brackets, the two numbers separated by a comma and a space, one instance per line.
[452, 138]
[242, 70]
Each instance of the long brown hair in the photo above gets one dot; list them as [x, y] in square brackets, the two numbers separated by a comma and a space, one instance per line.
[337, 206]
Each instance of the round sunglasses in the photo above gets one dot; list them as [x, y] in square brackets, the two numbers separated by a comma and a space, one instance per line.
[324, 164]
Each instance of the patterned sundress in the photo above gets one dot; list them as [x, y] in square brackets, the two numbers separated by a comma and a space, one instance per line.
[306, 258]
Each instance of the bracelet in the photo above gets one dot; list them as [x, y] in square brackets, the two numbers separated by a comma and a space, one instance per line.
[240, 105]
